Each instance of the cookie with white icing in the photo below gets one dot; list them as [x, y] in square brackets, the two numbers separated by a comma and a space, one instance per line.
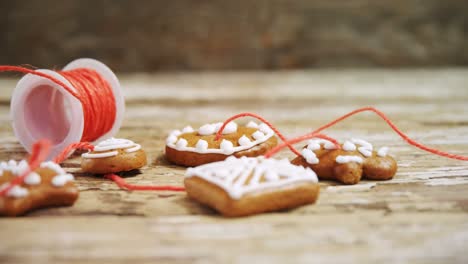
[355, 160]
[47, 186]
[245, 186]
[113, 155]
[191, 147]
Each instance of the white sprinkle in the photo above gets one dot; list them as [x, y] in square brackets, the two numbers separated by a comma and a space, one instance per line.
[309, 156]
[11, 163]
[16, 191]
[32, 179]
[362, 142]
[252, 124]
[182, 143]
[227, 146]
[271, 175]
[364, 151]
[230, 128]
[208, 129]
[202, 145]
[171, 139]
[244, 141]
[176, 133]
[187, 129]
[61, 180]
[257, 135]
[383, 151]
[348, 146]
[264, 128]
[53, 166]
[313, 145]
[346, 159]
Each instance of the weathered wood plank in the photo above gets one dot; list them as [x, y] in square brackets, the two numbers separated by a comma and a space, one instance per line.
[418, 217]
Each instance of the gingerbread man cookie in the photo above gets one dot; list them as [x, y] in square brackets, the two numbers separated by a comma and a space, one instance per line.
[191, 147]
[355, 160]
[47, 186]
[245, 186]
[113, 155]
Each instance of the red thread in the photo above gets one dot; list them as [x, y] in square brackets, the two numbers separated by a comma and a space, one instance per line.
[124, 185]
[277, 132]
[94, 93]
[40, 151]
[393, 126]
[70, 149]
[276, 149]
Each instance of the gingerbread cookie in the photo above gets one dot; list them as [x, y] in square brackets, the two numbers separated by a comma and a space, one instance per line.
[113, 155]
[47, 186]
[245, 186]
[355, 160]
[191, 147]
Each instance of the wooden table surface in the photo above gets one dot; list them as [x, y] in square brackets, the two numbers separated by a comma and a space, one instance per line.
[418, 217]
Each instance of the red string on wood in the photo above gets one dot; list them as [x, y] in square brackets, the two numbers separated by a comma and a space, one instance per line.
[71, 148]
[124, 185]
[40, 151]
[276, 149]
[394, 127]
[94, 93]
[277, 132]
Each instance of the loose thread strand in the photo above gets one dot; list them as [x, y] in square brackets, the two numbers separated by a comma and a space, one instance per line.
[124, 185]
[277, 132]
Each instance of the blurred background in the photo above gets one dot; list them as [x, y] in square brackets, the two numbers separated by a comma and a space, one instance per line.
[195, 35]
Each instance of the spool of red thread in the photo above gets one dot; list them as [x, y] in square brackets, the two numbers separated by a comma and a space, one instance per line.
[43, 109]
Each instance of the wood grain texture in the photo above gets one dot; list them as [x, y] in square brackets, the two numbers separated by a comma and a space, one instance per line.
[158, 35]
[421, 216]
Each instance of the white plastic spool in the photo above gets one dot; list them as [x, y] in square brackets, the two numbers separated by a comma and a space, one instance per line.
[42, 109]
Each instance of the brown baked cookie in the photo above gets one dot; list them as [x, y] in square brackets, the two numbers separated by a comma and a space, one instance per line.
[47, 186]
[113, 155]
[246, 186]
[355, 160]
[193, 148]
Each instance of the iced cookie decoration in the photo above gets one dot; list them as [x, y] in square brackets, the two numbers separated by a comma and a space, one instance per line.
[251, 185]
[47, 186]
[113, 155]
[355, 159]
[190, 147]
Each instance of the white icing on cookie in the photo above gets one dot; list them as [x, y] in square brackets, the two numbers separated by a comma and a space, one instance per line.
[109, 147]
[258, 135]
[362, 142]
[347, 159]
[315, 144]
[53, 166]
[230, 128]
[366, 147]
[16, 168]
[202, 145]
[364, 151]
[187, 129]
[348, 146]
[171, 139]
[181, 143]
[309, 156]
[226, 146]
[263, 134]
[244, 141]
[252, 124]
[208, 129]
[62, 179]
[16, 192]
[32, 179]
[382, 152]
[241, 176]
